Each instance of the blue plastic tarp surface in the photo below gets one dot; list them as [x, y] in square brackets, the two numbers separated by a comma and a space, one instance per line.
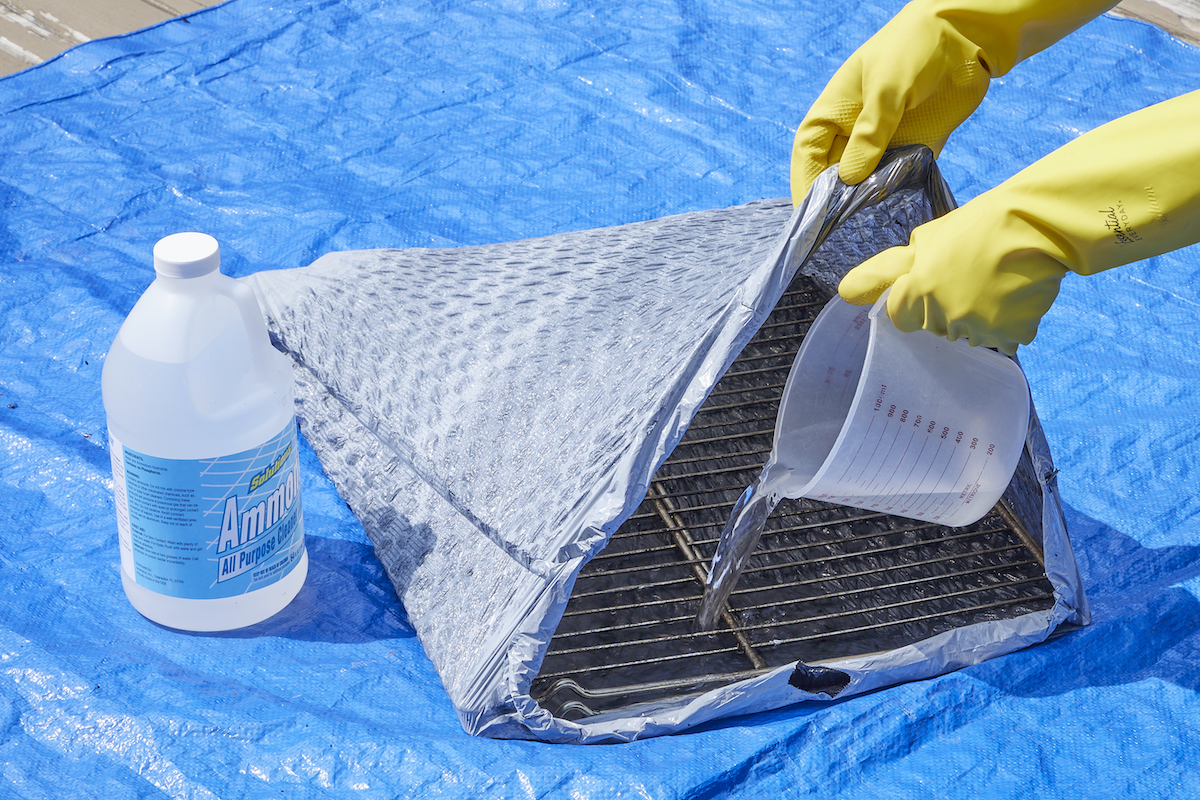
[291, 130]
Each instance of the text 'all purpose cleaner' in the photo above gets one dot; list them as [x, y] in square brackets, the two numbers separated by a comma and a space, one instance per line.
[202, 435]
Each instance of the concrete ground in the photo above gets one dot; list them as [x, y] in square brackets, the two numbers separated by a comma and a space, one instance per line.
[1180, 17]
[32, 31]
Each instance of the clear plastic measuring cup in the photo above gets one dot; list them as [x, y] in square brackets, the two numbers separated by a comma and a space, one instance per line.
[908, 424]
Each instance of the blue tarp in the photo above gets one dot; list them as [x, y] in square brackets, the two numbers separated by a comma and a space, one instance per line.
[288, 131]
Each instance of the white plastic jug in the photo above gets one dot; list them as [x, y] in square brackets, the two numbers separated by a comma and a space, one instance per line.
[202, 436]
[907, 424]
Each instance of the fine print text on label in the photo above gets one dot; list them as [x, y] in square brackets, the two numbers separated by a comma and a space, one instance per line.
[209, 528]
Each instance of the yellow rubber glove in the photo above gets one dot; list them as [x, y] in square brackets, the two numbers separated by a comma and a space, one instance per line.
[989, 270]
[920, 76]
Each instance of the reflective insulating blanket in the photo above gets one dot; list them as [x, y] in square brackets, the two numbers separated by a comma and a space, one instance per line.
[492, 414]
[290, 131]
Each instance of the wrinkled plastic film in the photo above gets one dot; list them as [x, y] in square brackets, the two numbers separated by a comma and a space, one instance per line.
[491, 453]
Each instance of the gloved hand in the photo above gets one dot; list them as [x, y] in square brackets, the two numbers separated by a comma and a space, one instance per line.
[920, 76]
[989, 270]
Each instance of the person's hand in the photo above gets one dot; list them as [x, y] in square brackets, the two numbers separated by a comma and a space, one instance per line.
[979, 273]
[920, 77]
[913, 82]
[989, 270]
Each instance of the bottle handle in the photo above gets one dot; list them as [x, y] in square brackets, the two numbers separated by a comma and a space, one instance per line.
[255, 327]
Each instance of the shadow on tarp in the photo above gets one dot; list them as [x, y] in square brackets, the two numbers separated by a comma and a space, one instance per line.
[1140, 614]
[346, 599]
[1152, 637]
[1142, 622]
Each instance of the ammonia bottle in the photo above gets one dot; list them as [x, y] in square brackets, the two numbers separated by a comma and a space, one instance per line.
[202, 436]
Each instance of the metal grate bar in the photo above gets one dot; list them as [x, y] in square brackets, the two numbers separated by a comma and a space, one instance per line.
[807, 582]
[816, 598]
[656, 585]
[776, 368]
[735, 487]
[731, 392]
[787, 323]
[895, 585]
[618, 691]
[807, 638]
[729, 438]
[732, 454]
[641, 551]
[922, 618]
[627, 636]
[807, 545]
[878, 551]
[739, 488]
[912, 565]
[696, 559]
[683, 541]
[646, 661]
[794, 528]
[746, 404]
[703, 424]
[788, 303]
[740, 366]
[691, 476]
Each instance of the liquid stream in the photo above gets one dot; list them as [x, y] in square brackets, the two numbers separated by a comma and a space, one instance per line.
[738, 540]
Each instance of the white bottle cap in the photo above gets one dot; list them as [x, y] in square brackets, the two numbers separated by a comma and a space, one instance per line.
[186, 255]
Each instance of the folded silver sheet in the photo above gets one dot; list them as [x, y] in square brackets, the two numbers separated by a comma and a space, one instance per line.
[493, 413]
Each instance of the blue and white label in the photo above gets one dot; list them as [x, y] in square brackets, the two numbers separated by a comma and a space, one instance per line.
[210, 527]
